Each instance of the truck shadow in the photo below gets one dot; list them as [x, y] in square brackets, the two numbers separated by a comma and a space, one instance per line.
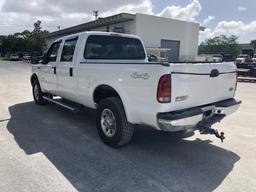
[153, 161]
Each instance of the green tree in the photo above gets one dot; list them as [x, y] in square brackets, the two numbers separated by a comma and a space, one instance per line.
[37, 26]
[253, 43]
[25, 41]
[220, 45]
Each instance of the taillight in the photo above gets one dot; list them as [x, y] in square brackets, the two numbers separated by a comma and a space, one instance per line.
[164, 89]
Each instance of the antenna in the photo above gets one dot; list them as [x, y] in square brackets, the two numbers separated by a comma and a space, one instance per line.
[95, 14]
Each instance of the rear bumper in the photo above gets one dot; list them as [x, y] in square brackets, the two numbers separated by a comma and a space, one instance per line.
[196, 117]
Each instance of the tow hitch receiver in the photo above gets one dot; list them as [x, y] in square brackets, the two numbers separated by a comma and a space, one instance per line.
[208, 130]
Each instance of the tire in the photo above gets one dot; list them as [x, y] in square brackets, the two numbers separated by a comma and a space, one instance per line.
[38, 94]
[122, 131]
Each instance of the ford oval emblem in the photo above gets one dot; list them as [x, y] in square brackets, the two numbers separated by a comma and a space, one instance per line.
[214, 73]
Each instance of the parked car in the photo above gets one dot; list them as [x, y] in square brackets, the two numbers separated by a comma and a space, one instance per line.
[110, 72]
[14, 57]
[217, 58]
[26, 56]
[243, 58]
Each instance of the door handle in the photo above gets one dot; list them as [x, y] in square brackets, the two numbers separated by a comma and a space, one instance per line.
[54, 70]
[71, 72]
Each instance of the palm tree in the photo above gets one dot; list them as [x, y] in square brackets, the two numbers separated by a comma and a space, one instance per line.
[253, 43]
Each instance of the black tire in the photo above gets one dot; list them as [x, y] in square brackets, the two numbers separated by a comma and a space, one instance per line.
[37, 93]
[123, 130]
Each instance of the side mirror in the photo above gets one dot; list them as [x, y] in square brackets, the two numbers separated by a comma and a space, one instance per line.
[50, 58]
[43, 59]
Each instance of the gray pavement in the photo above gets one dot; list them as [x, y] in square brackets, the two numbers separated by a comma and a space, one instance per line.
[48, 149]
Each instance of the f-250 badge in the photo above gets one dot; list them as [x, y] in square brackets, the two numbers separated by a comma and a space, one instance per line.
[144, 76]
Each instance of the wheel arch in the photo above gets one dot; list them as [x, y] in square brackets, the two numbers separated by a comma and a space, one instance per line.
[105, 91]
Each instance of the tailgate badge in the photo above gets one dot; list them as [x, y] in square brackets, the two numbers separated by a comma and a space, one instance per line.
[181, 98]
[144, 76]
[214, 73]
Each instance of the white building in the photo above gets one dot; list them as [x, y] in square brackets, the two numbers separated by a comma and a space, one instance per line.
[179, 37]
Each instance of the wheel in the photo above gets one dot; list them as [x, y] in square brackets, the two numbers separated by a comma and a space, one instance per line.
[112, 124]
[38, 94]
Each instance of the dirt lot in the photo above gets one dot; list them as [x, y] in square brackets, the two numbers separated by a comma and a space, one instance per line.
[50, 149]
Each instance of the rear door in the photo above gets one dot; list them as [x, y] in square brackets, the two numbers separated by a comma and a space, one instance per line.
[65, 70]
[48, 69]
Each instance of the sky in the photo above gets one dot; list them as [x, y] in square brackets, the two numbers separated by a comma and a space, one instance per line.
[229, 17]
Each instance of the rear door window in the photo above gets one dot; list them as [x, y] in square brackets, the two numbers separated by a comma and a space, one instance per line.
[68, 50]
[113, 47]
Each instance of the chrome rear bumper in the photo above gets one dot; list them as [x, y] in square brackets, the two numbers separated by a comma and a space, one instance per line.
[195, 117]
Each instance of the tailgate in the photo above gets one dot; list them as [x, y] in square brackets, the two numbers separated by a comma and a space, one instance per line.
[200, 84]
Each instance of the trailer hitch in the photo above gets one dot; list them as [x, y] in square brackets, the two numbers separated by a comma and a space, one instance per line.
[209, 130]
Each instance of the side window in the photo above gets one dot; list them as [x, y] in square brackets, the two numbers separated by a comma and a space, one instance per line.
[53, 52]
[68, 50]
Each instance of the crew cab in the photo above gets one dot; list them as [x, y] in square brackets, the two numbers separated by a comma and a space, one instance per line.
[110, 72]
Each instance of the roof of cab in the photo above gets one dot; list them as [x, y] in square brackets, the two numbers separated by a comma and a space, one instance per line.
[87, 33]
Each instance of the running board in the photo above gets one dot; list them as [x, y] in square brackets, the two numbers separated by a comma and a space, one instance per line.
[70, 107]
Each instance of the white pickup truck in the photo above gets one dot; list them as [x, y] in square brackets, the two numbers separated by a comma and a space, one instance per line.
[110, 72]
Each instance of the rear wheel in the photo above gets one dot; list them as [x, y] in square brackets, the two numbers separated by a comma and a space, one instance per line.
[37, 93]
[112, 124]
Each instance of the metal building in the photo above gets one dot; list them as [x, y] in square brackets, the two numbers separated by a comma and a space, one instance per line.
[179, 38]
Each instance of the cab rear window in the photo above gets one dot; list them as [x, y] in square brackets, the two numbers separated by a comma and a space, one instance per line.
[113, 47]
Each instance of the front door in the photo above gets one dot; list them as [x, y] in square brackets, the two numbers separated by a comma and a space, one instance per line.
[65, 70]
[48, 69]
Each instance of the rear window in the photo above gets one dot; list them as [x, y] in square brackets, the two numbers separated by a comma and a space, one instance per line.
[113, 47]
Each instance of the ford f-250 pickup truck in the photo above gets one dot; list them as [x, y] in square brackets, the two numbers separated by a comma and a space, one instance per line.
[110, 73]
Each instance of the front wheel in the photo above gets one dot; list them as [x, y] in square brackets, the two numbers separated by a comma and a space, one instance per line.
[112, 124]
[38, 94]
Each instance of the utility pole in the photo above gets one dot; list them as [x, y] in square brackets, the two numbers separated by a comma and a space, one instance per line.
[95, 14]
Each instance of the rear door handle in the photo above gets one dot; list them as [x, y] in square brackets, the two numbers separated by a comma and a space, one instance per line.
[71, 72]
[54, 70]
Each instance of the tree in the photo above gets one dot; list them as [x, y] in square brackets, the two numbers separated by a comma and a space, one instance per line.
[253, 43]
[37, 26]
[25, 41]
[220, 45]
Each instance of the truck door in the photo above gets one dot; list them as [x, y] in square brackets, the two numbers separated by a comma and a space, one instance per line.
[48, 69]
[65, 70]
